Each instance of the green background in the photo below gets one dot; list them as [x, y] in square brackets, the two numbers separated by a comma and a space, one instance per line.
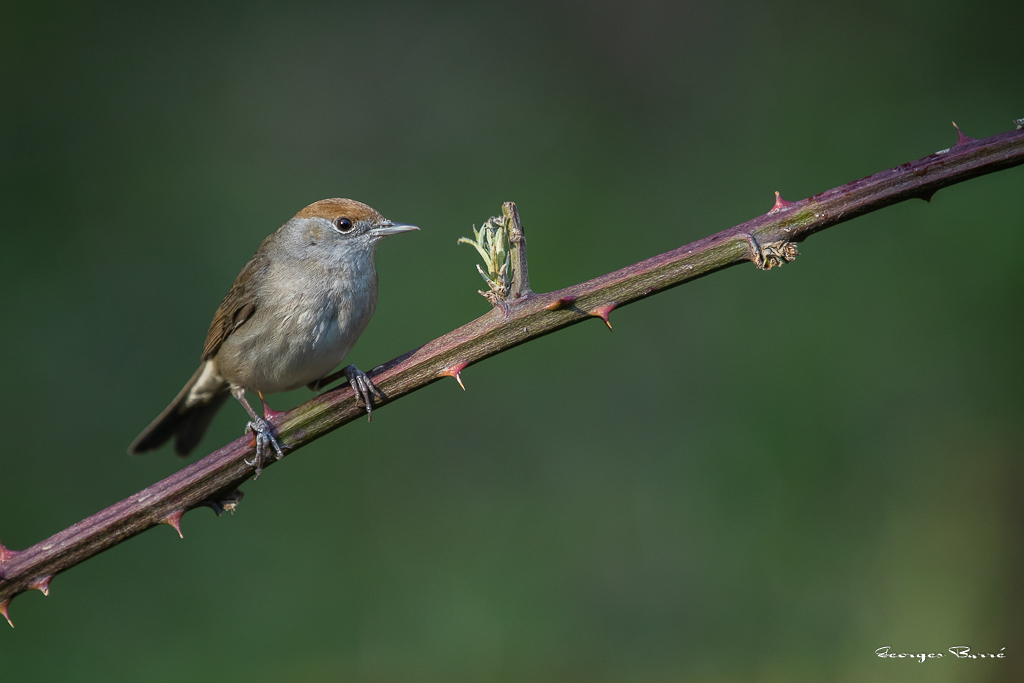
[757, 477]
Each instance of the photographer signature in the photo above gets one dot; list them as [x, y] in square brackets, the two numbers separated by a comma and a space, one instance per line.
[958, 651]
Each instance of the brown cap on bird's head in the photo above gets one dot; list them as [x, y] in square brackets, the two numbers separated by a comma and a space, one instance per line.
[332, 209]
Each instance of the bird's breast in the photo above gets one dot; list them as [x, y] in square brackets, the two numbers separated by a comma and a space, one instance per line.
[300, 331]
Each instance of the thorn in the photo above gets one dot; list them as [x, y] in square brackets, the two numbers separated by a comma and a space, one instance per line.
[961, 139]
[3, 611]
[602, 313]
[780, 203]
[927, 196]
[269, 413]
[174, 519]
[563, 302]
[6, 553]
[456, 372]
[42, 584]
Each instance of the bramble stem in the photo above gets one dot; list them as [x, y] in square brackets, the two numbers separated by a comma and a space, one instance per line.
[767, 240]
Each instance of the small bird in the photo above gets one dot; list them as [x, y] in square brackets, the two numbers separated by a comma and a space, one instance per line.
[292, 315]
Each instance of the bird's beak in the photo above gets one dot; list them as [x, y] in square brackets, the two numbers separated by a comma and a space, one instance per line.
[388, 228]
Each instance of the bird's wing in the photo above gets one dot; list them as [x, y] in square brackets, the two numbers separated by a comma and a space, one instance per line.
[237, 307]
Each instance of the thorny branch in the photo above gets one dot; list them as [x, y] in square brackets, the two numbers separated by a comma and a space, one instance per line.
[518, 316]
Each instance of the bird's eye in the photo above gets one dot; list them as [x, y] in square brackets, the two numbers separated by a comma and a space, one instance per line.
[343, 225]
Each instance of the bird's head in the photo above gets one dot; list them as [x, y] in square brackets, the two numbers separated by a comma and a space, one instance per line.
[338, 229]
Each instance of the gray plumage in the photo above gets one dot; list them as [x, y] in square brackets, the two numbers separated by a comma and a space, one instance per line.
[291, 317]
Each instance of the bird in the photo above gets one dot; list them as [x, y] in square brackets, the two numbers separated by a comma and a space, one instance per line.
[292, 315]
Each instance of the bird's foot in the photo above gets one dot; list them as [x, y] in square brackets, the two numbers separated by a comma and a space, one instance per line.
[363, 388]
[263, 435]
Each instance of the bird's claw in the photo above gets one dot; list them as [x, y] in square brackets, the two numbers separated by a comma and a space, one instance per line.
[364, 389]
[263, 435]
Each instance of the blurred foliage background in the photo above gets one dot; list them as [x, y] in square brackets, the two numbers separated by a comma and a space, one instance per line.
[757, 477]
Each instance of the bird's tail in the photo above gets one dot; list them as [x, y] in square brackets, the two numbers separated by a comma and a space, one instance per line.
[186, 418]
